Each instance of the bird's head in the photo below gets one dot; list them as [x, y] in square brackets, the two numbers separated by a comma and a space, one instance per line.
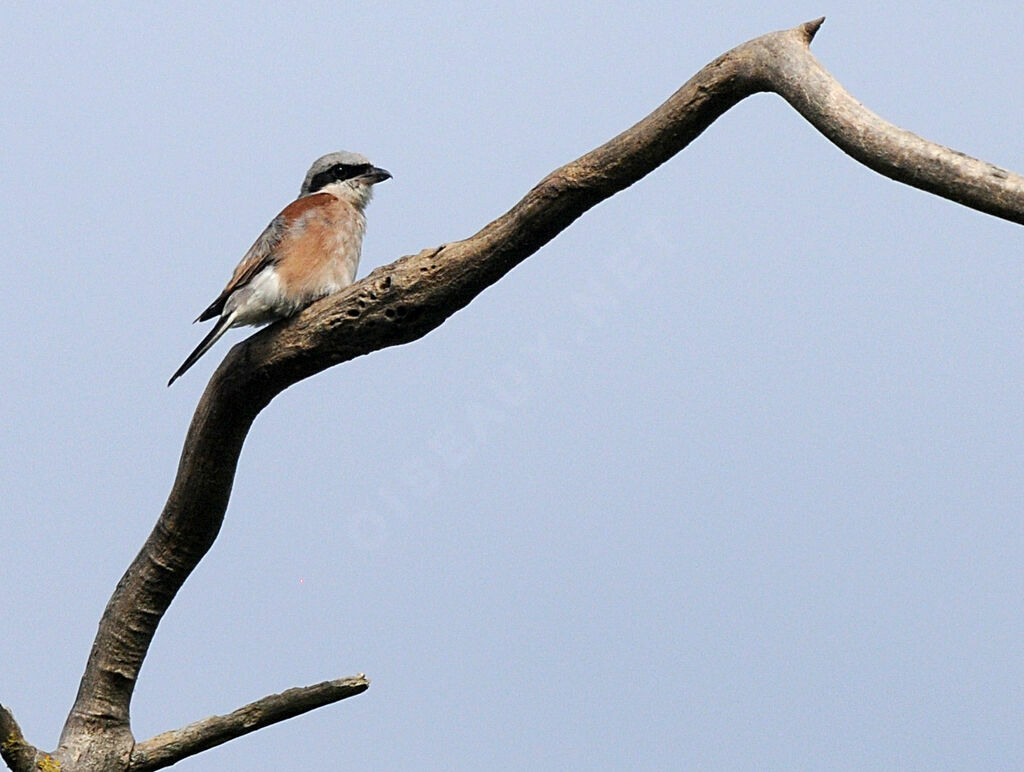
[348, 175]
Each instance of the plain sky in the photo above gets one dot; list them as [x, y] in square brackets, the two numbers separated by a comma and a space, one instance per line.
[729, 475]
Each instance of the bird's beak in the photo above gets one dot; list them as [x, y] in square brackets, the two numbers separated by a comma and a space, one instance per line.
[376, 175]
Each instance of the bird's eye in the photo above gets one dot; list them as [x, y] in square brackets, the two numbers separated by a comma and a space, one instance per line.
[348, 171]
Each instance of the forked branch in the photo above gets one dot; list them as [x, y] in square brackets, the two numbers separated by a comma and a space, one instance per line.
[403, 301]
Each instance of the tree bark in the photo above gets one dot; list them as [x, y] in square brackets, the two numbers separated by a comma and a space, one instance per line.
[167, 748]
[407, 299]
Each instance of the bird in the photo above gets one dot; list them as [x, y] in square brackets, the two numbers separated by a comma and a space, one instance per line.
[311, 249]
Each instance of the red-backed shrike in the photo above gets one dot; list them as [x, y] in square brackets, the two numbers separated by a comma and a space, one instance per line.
[309, 250]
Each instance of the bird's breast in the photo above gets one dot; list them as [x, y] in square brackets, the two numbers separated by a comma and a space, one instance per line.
[322, 253]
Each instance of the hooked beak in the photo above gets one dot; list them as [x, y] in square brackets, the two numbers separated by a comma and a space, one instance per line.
[376, 175]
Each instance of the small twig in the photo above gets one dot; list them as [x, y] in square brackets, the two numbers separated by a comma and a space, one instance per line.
[171, 747]
[19, 755]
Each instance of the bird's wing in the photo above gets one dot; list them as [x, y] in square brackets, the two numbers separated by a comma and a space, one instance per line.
[264, 252]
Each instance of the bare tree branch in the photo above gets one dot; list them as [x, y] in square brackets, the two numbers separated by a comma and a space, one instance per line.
[884, 147]
[171, 747]
[403, 301]
[16, 753]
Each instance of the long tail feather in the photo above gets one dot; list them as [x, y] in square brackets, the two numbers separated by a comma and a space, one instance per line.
[214, 335]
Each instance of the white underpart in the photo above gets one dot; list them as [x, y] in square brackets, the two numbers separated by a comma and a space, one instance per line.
[356, 193]
[260, 301]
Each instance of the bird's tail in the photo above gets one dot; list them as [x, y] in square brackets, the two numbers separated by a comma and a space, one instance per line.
[212, 337]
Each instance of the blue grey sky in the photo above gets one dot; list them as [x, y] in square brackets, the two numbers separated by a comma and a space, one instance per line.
[729, 475]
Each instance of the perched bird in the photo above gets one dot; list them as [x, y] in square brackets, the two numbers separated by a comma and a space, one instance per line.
[309, 250]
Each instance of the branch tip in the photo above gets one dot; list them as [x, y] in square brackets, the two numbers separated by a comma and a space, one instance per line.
[810, 28]
[170, 747]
